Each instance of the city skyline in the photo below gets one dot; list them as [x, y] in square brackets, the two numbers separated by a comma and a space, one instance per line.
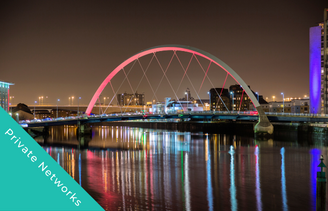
[55, 50]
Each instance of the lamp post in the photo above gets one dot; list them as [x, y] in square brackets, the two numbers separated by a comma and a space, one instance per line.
[283, 102]
[187, 99]
[17, 116]
[209, 100]
[258, 97]
[72, 100]
[35, 102]
[69, 101]
[57, 108]
[233, 102]
[273, 97]
[78, 106]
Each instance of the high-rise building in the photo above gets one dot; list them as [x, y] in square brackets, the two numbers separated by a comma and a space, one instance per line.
[219, 99]
[241, 101]
[4, 95]
[126, 99]
[235, 99]
[319, 67]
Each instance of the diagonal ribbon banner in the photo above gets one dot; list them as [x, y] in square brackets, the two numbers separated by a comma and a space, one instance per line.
[31, 179]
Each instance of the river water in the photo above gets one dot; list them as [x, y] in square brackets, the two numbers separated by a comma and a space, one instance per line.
[125, 168]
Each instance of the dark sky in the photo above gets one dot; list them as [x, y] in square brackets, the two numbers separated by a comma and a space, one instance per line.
[67, 48]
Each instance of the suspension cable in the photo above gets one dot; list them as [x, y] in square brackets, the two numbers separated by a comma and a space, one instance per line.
[189, 79]
[160, 82]
[207, 77]
[167, 78]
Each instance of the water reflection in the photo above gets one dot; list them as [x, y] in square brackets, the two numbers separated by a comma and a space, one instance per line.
[233, 199]
[143, 169]
[208, 174]
[315, 156]
[258, 185]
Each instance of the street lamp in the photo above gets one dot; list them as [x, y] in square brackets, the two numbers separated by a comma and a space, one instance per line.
[283, 102]
[78, 106]
[104, 100]
[187, 99]
[233, 102]
[57, 108]
[257, 94]
[72, 100]
[17, 116]
[273, 97]
[35, 102]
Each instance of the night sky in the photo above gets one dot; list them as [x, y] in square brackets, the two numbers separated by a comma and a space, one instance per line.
[67, 48]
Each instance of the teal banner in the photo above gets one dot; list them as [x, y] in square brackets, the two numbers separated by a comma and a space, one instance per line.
[31, 179]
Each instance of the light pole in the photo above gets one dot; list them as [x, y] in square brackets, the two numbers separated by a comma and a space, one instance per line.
[233, 102]
[57, 108]
[72, 100]
[209, 100]
[69, 101]
[187, 99]
[78, 106]
[273, 97]
[17, 116]
[283, 102]
[35, 102]
[258, 97]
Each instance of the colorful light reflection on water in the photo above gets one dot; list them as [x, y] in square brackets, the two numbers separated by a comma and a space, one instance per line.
[169, 170]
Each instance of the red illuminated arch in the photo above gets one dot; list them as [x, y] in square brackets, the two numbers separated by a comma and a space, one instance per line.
[182, 48]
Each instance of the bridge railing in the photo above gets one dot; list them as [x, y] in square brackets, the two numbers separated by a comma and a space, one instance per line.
[252, 113]
[296, 114]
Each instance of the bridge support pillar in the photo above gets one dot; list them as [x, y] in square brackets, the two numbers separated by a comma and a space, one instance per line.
[82, 129]
[263, 126]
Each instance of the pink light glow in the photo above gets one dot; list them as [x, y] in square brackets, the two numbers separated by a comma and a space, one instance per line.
[186, 49]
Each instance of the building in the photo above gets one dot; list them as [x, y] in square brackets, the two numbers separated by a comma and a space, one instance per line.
[187, 96]
[239, 99]
[175, 107]
[126, 99]
[300, 106]
[293, 106]
[319, 67]
[280, 107]
[219, 99]
[4, 95]
[205, 103]
[264, 104]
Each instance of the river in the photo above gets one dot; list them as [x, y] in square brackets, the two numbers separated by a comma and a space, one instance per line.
[127, 168]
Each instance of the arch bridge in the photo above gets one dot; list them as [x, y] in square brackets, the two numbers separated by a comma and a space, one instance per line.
[263, 125]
